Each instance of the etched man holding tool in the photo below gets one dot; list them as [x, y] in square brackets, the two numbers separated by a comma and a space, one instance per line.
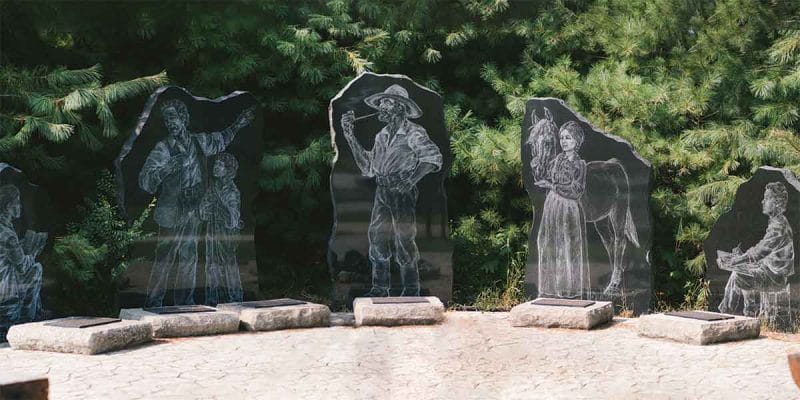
[401, 156]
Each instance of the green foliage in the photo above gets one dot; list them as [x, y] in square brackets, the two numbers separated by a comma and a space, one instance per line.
[706, 90]
[88, 262]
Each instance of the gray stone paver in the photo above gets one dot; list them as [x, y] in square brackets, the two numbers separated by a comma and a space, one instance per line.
[470, 356]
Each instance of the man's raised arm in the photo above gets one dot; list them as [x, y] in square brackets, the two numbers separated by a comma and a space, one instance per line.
[216, 142]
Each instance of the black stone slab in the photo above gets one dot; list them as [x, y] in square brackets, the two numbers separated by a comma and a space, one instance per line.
[701, 315]
[356, 193]
[193, 203]
[82, 322]
[25, 222]
[563, 303]
[775, 297]
[399, 300]
[611, 205]
[188, 309]
[272, 303]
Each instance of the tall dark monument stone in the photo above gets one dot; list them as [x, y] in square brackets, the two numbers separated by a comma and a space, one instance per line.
[387, 185]
[24, 226]
[751, 250]
[592, 227]
[199, 159]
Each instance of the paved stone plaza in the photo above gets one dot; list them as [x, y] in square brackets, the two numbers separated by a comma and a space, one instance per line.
[470, 356]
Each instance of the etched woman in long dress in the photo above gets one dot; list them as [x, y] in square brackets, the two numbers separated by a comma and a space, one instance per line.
[561, 240]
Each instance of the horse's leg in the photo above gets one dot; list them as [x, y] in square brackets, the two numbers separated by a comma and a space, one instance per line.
[618, 227]
[606, 232]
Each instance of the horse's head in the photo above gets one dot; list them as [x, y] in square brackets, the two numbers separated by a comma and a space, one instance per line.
[542, 140]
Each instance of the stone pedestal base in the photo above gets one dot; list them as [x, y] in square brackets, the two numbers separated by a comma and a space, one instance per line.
[695, 331]
[188, 324]
[308, 315]
[29, 388]
[366, 312]
[91, 340]
[529, 314]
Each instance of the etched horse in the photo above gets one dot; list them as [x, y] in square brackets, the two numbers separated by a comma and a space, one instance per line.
[605, 201]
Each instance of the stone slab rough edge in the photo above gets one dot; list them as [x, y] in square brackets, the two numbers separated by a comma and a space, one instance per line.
[699, 332]
[368, 314]
[91, 340]
[308, 315]
[529, 314]
[189, 324]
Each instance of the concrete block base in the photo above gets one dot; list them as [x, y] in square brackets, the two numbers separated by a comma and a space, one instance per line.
[529, 314]
[308, 315]
[188, 324]
[90, 340]
[695, 331]
[367, 312]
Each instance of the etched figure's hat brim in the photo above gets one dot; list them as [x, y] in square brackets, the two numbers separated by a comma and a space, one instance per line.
[396, 93]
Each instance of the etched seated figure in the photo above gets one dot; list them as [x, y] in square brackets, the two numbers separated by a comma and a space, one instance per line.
[764, 267]
[20, 273]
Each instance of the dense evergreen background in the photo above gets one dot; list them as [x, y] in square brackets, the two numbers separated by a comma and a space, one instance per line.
[706, 90]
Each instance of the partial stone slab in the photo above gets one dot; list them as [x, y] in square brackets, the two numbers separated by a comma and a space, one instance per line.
[343, 319]
[254, 317]
[696, 331]
[90, 340]
[382, 311]
[24, 387]
[548, 316]
[188, 324]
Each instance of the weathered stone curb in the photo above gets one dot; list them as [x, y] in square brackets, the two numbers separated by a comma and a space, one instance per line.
[695, 331]
[188, 324]
[308, 315]
[91, 340]
[529, 314]
[369, 314]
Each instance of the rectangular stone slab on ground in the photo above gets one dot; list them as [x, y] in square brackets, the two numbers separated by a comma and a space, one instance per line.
[392, 314]
[180, 325]
[545, 316]
[90, 340]
[305, 315]
[695, 331]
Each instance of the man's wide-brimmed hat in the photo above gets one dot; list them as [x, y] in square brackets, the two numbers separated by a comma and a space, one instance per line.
[397, 93]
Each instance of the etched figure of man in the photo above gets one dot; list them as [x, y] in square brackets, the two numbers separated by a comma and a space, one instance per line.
[177, 170]
[765, 266]
[400, 157]
[20, 273]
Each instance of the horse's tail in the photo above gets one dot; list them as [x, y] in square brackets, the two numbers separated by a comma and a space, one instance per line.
[630, 229]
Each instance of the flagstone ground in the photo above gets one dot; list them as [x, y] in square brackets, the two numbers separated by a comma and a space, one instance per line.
[471, 356]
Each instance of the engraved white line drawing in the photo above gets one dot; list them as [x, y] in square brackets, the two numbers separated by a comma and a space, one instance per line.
[221, 210]
[763, 269]
[578, 192]
[401, 156]
[177, 169]
[20, 273]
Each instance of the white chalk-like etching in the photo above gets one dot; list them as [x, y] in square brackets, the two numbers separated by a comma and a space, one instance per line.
[401, 156]
[20, 273]
[221, 210]
[761, 272]
[177, 170]
[573, 199]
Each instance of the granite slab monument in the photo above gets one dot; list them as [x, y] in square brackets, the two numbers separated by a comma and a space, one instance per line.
[562, 313]
[751, 251]
[395, 311]
[182, 321]
[24, 227]
[270, 315]
[387, 185]
[198, 159]
[592, 227]
[81, 335]
[698, 327]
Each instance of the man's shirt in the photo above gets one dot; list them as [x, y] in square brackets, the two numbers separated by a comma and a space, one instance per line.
[397, 156]
[775, 250]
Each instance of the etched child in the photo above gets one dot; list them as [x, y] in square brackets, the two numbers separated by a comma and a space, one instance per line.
[220, 210]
